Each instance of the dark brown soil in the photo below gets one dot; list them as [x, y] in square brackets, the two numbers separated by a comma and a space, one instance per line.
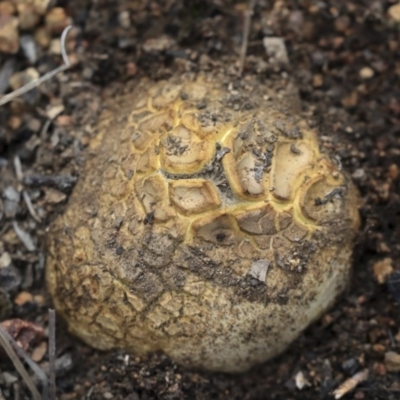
[330, 43]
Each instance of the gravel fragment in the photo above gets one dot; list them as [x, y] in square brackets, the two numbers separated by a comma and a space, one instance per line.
[54, 196]
[392, 361]
[56, 20]
[52, 111]
[11, 198]
[382, 269]
[24, 236]
[124, 18]
[5, 260]
[9, 36]
[22, 298]
[28, 46]
[27, 16]
[394, 12]
[9, 379]
[276, 50]
[301, 381]
[359, 174]
[366, 73]
[63, 365]
[42, 37]
[159, 44]
[259, 270]
[55, 46]
[39, 352]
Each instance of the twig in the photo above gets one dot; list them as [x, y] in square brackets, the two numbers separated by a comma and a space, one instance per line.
[45, 77]
[5, 340]
[350, 384]
[52, 353]
[246, 31]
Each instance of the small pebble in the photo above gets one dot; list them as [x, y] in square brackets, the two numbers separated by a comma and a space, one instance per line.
[57, 20]
[394, 12]
[39, 352]
[276, 50]
[9, 379]
[124, 19]
[392, 361]
[393, 171]
[22, 298]
[131, 69]
[11, 200]
[382, 269]
[161, 43]
[39, 300]
[42, 37]
[34, 125]
[28, 45]
[9, 37]
[351, 100]
[366, 73]
[318, 80]
[301, 381]
[27, 16]
[5, 260]
[55, 47]
[14, 122]
[54, 196]
[342, 23]
[53, 111]
[63, 120]
[41, 6]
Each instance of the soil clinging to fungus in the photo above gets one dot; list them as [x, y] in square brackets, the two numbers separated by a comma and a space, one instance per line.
[207, 224]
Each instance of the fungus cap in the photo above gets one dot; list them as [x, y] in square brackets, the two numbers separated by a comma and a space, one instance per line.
[207, 224]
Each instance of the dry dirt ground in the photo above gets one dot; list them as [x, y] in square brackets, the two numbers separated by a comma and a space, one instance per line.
[345, 58]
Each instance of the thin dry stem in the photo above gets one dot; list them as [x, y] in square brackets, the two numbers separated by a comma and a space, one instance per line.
[246, 32]
[52, 353]
[46, 77]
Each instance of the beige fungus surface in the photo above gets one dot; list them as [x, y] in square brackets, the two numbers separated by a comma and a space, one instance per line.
[207, 224]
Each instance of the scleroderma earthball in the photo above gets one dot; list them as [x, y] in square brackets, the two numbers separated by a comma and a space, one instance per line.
[207, 224]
